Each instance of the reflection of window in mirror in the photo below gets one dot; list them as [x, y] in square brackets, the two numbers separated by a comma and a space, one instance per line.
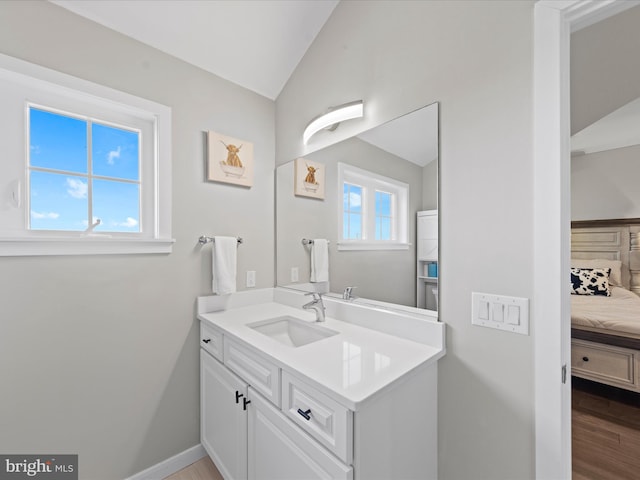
[374, 213]
[384, 215]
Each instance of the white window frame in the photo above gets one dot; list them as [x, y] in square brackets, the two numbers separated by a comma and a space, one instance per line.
[372, 182]
[25, 85]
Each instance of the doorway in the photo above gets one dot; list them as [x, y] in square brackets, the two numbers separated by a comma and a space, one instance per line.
[553, 22]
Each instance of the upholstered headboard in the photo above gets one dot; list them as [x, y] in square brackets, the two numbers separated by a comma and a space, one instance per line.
[617, 239]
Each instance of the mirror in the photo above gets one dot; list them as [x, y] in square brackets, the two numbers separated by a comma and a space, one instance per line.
[404, 150]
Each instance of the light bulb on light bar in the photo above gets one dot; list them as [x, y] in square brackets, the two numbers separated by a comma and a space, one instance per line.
[337, 114]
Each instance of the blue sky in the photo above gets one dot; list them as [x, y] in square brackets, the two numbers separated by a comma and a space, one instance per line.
[60, 196]
[383, 216]
[352, 208]
[353, 211]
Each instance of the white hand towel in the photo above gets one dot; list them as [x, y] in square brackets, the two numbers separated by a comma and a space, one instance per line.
[223, 267]
[319, 260]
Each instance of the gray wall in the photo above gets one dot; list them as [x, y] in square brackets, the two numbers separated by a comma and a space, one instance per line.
[99, 354]
[475, 58]
[605, 184]
[430, 186]
[605, 68]
[605, 75]
[301, 217]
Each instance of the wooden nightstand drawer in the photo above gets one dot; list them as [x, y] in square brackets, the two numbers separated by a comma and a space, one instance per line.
[605, 363]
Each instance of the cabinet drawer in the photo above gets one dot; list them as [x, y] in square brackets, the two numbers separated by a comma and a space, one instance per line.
[322, 417]
[211, 340]
[278, 449]
[612, 365]
[254, 369]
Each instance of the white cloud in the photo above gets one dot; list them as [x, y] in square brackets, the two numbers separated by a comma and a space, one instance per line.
[35, 148]
[77, 188]
[355, 199]
[40, 215]
[130, 222]
[113, 154]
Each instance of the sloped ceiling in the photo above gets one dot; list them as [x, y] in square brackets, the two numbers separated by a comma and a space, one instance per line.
[254, 43]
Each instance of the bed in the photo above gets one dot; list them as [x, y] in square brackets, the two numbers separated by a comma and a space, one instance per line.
[605, 330]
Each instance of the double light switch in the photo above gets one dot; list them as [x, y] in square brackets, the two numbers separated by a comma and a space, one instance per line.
[500, 312]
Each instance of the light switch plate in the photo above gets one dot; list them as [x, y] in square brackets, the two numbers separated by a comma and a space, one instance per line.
[501, 312]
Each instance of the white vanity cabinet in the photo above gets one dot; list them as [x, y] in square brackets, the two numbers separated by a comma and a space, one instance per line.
[280, 450]
[264, 422]
[223, 417]
[242, 428]
[358, 405]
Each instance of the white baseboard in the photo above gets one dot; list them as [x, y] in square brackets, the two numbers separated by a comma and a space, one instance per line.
[171, 465]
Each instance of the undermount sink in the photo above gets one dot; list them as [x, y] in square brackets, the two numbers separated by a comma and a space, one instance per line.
[291, 331]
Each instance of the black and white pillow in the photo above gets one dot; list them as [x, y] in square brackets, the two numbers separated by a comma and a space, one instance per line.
[590, 281]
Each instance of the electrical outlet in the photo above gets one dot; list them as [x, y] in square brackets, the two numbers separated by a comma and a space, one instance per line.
[294, 274]
[251, 278]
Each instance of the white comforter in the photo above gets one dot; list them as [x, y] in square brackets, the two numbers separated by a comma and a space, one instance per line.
[620, 312]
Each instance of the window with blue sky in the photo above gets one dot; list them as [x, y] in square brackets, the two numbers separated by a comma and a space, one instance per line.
[80, 171]
[383, 215]
[352, 212]
[374, 213]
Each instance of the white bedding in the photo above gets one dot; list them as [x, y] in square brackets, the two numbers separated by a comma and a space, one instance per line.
[620, 312]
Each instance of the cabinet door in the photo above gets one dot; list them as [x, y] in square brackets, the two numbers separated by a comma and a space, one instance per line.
[427, 233]
[279, 450]
[223, 421]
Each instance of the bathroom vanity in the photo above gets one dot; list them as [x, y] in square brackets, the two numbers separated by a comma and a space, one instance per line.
[283, 396]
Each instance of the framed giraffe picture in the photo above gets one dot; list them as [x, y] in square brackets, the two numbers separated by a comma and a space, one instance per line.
[309, 178]
[230, 160]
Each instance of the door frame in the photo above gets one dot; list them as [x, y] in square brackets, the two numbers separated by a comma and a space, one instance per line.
[554, 20]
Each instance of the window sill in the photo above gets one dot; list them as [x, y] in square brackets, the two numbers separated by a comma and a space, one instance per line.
[31, 246]
[344, 245]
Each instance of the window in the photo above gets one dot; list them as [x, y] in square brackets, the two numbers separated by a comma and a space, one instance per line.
[76, 188]
[352, 213]
[384, 215]
[374, 210]
[88, 170]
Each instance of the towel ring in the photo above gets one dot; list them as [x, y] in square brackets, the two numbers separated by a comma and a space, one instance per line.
[204, 240]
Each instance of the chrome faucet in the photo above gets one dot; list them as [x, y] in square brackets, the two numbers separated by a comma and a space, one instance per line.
[317, 305]
[347, 294]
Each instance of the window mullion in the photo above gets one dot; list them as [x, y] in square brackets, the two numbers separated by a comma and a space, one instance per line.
[369, 211]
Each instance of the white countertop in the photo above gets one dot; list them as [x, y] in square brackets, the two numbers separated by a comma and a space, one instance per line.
[351, 366]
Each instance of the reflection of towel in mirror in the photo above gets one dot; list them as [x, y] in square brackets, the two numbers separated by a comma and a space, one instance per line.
[223, 267]
[319, 260]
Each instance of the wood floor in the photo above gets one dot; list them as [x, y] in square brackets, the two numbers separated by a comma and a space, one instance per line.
[605, 433]
[203, 469]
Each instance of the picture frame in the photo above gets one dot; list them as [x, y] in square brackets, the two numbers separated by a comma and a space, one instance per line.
[229, 160]
[309, 178]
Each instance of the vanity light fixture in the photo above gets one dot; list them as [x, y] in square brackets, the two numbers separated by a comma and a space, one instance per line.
[333, 117]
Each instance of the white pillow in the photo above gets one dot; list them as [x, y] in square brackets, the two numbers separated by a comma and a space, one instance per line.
[615, 277]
